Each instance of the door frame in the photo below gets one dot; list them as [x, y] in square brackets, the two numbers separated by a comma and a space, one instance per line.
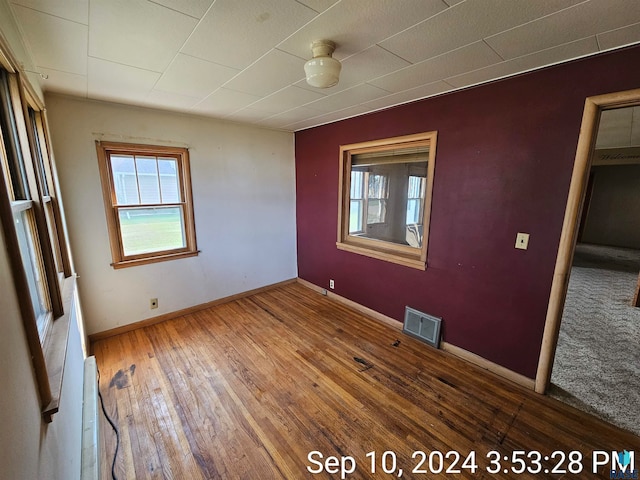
[577, 189]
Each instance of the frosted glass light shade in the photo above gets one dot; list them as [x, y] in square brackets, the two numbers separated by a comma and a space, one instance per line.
[322, 71]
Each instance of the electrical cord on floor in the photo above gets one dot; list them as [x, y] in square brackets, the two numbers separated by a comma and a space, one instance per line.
[115, 429]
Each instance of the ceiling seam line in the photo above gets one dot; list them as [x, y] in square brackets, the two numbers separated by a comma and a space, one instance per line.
[493, 49]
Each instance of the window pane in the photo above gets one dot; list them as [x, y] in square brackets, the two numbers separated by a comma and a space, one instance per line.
[392, 198]
[146, 230]
[415, 198]
[376, 211]
[29, 256]
[377, 193]
[11, 141]
[124, 180]
[355, 216]
[38, 153]
[168, 169]
[413, 211]
[357, 184]
[148, 179]
[53, 235]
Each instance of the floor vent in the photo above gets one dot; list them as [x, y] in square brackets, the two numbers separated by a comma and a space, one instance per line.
[423, 326]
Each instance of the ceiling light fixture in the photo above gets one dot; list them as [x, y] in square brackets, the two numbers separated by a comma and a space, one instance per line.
[323, 71]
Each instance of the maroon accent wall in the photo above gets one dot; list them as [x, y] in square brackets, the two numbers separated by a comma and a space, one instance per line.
[504, 159]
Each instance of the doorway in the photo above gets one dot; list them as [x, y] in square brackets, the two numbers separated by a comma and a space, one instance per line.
[594, 106]
[597, 361]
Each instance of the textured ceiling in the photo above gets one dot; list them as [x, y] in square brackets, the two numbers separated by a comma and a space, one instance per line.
[243, 59]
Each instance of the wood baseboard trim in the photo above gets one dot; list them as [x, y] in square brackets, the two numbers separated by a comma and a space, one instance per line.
[356, 306]
[94, 337]
[488, 365]
[446, 347]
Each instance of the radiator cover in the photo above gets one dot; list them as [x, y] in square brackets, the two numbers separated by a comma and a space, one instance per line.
[422, 326]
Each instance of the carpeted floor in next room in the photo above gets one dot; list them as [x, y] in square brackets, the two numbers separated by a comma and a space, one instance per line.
[597, 365]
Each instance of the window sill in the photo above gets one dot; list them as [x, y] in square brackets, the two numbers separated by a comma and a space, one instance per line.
[383, 255]
[55, 349]
[155, 259]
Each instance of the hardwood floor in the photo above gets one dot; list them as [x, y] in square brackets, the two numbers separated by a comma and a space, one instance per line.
[248, 389]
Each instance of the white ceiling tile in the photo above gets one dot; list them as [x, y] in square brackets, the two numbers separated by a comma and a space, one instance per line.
[286, 99]
[224, 102]
[333, 116]
[357, 24]
[466, 23]
[272, 72]
[194, 77]
[236, 33]
[568, 51]
[243, 60]
[619, 37]
[193, 8]
[318, 5]
[371, 63]
[249, 114]
[119, 83]
[63, 82]
[170, 100]
[137, 32]
[56, 43]
[347, 98]
[471, 57]
[581, 21]
[422, 91]
[291, 116]
[74, 10]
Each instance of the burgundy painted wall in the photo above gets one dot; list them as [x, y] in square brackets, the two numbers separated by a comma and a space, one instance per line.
[504, 159]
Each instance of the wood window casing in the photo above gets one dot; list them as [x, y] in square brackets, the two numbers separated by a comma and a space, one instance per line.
[406, 255]
[113, 207]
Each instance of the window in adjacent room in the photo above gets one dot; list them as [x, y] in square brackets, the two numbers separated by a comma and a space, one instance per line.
[385, 197]
[148, 203]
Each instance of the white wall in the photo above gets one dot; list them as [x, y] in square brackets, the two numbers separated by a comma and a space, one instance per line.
[244, 202]
[19, 409]
[29, 448]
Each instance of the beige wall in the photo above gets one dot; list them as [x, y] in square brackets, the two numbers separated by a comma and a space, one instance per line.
[244, 203]
[613, 216]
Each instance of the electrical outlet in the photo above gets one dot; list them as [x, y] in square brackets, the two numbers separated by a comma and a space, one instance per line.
[522, 241]
[331, 284]
[153, 303]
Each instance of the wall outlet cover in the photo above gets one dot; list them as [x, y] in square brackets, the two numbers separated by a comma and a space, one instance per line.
[522, 241]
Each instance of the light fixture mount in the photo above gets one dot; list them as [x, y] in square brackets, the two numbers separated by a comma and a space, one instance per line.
[322, 71]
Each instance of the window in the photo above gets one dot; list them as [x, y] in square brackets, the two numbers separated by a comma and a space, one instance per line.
[147, 193]
[49, 199]
[385, 197]
[24, 197]
[30, 221]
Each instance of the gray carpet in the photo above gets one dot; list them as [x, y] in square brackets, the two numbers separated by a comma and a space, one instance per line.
[597, 365]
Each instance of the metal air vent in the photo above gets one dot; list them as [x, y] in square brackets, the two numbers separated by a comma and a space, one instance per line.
[423, 326]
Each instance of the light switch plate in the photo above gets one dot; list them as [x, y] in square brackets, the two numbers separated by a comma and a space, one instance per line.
[522, 241]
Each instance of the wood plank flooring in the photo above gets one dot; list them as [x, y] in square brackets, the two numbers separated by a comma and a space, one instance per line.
[246, 390]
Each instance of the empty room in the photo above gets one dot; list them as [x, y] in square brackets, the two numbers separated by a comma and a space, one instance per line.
[300, 239]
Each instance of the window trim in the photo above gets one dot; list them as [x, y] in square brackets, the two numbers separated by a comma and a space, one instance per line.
[48, 346]
[391, 252]
[119, 259]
